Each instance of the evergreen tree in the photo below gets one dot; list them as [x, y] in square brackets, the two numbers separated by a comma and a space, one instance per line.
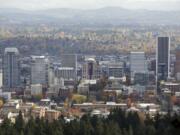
[19, 123]
[87, 125]
[150, 130]
[99, 127]
[130, 130]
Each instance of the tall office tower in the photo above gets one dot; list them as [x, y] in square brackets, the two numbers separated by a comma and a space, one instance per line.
[163, 58]
[69, 60]
[66, 73]
[1, 76]
[39, 70]
[51, 75]
[116, 69]
[177, 64]
[137, 63]
[91, 70]
[11, 74]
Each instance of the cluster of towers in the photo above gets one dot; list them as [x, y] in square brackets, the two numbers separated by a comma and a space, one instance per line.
[11, 70]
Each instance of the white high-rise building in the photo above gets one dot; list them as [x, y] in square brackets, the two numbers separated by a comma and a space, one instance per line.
[39, 70]
[137, 63]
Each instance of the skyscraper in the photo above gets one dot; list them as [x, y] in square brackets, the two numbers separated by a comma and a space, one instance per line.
[91, 69]
[177, 64]
[11, 74]
[137, 63]
[39, 70]
[69, 60]
[116, 69]
[163, 58]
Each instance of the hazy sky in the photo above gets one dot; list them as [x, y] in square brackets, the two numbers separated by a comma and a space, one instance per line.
[91, 4]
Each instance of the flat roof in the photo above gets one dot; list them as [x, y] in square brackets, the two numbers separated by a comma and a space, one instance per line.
[171, 83]
[137, 52]
[36, 57]
[11, 49]
[65, 68]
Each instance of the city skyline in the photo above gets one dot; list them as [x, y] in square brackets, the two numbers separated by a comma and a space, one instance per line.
[93, 67]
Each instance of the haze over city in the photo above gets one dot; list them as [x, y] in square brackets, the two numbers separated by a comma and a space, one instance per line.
[91, 4]
[89, 67]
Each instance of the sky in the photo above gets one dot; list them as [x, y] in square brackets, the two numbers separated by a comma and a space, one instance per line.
[91, 4]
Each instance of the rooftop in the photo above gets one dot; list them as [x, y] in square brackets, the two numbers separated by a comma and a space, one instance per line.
[65, 68]
[12, 49]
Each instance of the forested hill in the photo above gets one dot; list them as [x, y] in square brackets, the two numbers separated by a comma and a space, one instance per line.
[103, 16]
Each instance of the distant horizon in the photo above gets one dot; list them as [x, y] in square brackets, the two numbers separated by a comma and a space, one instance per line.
[15, 8]
[157, 5]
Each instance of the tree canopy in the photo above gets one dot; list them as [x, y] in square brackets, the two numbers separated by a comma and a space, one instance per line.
[117, 123]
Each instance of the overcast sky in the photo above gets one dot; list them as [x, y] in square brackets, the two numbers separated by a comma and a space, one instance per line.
[91, 4]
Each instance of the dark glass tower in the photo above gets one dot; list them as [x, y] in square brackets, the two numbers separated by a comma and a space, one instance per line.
[163, 59]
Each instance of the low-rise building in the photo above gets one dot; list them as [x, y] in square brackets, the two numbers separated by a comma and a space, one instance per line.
[173, 87]
[36, 89]
[51, 115]
[5, 95]
[83, 87]
[38, 112]
[12, 107]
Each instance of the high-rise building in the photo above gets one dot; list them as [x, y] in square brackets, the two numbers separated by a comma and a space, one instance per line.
[11, 72]
[1, 78]
[65, 73]
[39, 70]
[91, 69]
[116, 69]
[137, 63]
[163, 58]
[69, 60]
[177, 64]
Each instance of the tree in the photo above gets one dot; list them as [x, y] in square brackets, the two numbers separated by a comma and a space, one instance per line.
[150, 130]
[85, 126]
[148, 120]
[130, 130]
[113, 129]
[1, 103]
[6, 127]
[72, 128]
[19, 124]
[56, 128]
[30, 127]
[99, 127]
[117, 123]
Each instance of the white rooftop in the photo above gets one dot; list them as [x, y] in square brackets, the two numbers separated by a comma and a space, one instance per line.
[37, 57]
[66, 68]
[138, 52]
[90, 59]
[90, 81]
[11, 49]
[171, 83]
